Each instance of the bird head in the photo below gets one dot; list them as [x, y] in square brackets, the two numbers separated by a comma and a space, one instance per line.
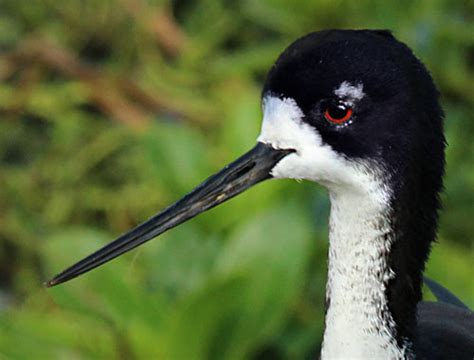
[351, 103]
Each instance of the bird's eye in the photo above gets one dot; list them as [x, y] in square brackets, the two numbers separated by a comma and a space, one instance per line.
[338, 113]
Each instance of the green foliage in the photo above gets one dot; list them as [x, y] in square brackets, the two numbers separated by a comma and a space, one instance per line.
[112, 110]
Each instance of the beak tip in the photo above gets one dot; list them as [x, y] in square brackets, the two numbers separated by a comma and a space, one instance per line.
[51, 283]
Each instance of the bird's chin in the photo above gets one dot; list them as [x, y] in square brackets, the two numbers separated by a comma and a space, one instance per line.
[330, 170]
[315, 165]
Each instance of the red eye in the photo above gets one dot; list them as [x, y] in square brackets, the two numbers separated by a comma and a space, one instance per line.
[338, 114]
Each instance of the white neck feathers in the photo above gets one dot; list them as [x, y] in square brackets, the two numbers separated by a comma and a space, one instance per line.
[358, 321]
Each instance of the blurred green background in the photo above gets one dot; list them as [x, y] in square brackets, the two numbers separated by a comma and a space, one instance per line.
[110, 110]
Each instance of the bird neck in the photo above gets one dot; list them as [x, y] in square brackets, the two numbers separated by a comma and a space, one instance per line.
[374, 275]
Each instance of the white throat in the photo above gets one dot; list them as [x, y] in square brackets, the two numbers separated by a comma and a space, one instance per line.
[358, 322]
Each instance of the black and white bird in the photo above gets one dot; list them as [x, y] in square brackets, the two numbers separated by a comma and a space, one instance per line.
[356, 112]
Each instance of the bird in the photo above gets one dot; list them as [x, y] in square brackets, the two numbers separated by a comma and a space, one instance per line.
[356, 112]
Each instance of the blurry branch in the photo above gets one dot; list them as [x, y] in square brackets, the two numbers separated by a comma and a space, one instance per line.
[119, 97]
[159, 23]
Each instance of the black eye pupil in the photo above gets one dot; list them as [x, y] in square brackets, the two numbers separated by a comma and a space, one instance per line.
[337, 111]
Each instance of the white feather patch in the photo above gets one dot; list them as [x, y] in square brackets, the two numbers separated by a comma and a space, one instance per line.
[350, 93]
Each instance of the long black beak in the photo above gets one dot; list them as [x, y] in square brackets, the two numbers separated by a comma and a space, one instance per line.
[235, 178]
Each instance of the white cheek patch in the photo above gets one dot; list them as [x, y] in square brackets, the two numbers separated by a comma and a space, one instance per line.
[283, 128]
[350, 93]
